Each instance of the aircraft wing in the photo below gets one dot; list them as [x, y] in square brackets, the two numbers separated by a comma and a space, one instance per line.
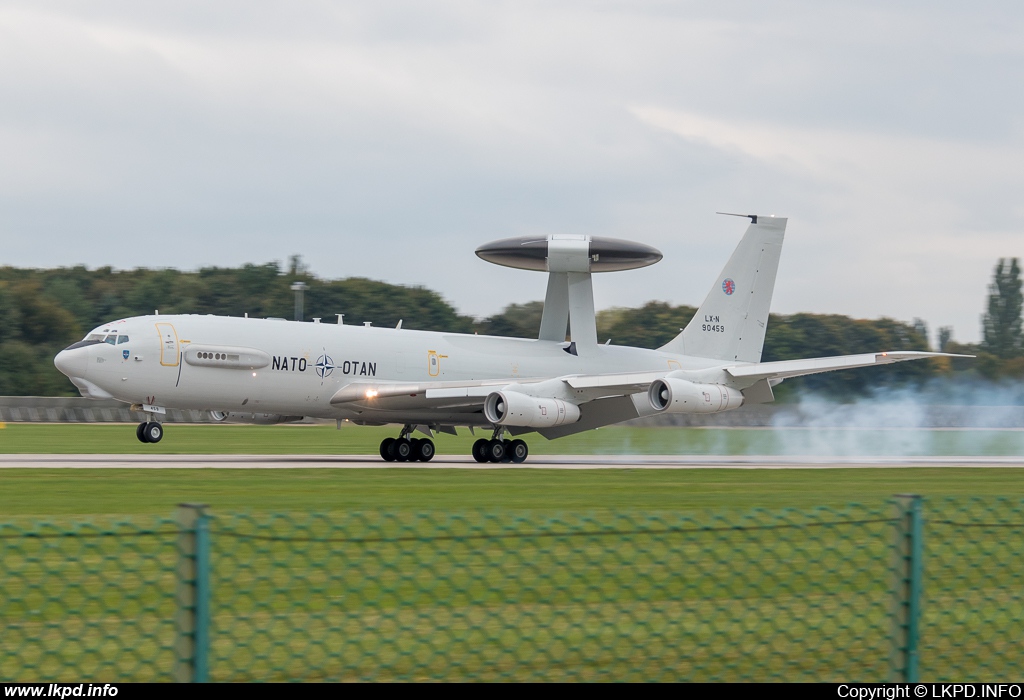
[798, 368]
[361, 392]
[616, 384]
[633, 382]
[470, 395]
[605, 384]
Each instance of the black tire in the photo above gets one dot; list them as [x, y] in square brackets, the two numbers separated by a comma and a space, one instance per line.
[495, 450]
[480, 450]
[403, 450]
[508, 450]
[153, 432]
[414, 456]
[519, 451]
[139, 432]
[387, 449]
[425, 450]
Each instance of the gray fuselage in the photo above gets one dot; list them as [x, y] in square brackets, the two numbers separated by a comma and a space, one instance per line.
[310, 362]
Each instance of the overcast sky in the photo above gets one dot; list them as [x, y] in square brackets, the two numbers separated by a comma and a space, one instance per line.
[390, 139]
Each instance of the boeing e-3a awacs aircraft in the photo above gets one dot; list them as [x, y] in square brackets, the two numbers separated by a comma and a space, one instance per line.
[275, 371]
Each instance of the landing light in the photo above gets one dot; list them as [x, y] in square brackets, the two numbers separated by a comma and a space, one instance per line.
[370, 393]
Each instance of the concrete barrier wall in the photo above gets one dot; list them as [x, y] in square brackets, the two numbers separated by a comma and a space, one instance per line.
[49, 409]
[46, 409]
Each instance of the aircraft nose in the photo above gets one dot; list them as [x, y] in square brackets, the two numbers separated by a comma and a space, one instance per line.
[72, 363]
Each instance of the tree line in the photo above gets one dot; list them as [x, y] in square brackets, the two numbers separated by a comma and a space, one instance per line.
[42, 311]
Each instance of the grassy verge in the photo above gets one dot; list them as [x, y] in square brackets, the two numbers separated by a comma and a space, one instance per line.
[93, 492]
[57, 438]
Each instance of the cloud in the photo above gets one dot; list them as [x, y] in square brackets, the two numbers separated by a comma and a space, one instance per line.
[390, 139]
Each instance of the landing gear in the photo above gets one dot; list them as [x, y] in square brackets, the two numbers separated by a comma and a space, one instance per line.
[402, 449]
[518, 451]
[150, 431]
[495, 450]
[425, 450]
[406, 449]
[498, 449]
[480, 450]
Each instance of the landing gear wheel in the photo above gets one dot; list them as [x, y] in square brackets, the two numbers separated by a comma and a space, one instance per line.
[480, 450]
[519, 451]
[495, 450]
[425, 450]
[387, 449]
[508, 450]
[152, 431]
[403, 450]
[138, 432]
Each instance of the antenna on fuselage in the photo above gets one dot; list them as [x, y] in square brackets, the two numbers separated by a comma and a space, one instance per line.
[752, 217]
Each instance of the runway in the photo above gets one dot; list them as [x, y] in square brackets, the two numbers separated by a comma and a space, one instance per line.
[121, 461]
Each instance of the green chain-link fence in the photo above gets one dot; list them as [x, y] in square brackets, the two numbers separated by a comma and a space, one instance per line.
[855, 593]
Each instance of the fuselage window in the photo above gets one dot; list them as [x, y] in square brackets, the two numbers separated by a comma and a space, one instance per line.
[110, 340]
[122, 339]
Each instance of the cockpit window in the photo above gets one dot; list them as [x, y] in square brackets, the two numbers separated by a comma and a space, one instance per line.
[83, 343]
[97, 337]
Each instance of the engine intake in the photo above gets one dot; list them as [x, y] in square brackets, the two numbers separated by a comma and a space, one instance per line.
[253, 418]
[671, 395]
[513, 408]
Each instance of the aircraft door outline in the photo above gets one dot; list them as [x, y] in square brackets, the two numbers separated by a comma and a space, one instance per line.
[168, 345]
[434, 362]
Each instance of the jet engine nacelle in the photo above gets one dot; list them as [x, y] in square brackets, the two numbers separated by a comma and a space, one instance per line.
[254, 418]
[671, 395]
[513, 408]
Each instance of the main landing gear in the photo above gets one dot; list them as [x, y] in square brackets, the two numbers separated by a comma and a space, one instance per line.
[150, 431]
[498, 450]
[407, 449]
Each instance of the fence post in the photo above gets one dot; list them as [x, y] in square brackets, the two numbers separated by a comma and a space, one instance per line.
[908, 571]
[192, 595]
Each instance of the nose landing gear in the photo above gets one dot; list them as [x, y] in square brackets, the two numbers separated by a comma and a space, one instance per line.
[150, 431]
[406, 449]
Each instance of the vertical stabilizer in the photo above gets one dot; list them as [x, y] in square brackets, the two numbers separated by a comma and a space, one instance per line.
[731, 323]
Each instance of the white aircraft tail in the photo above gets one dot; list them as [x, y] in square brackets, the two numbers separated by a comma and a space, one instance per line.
[731, 323]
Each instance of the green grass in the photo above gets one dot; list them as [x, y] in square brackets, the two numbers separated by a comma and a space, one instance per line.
[782, 595]
[57, 438]
[797, 604]
[90, 492]
[67, 492]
